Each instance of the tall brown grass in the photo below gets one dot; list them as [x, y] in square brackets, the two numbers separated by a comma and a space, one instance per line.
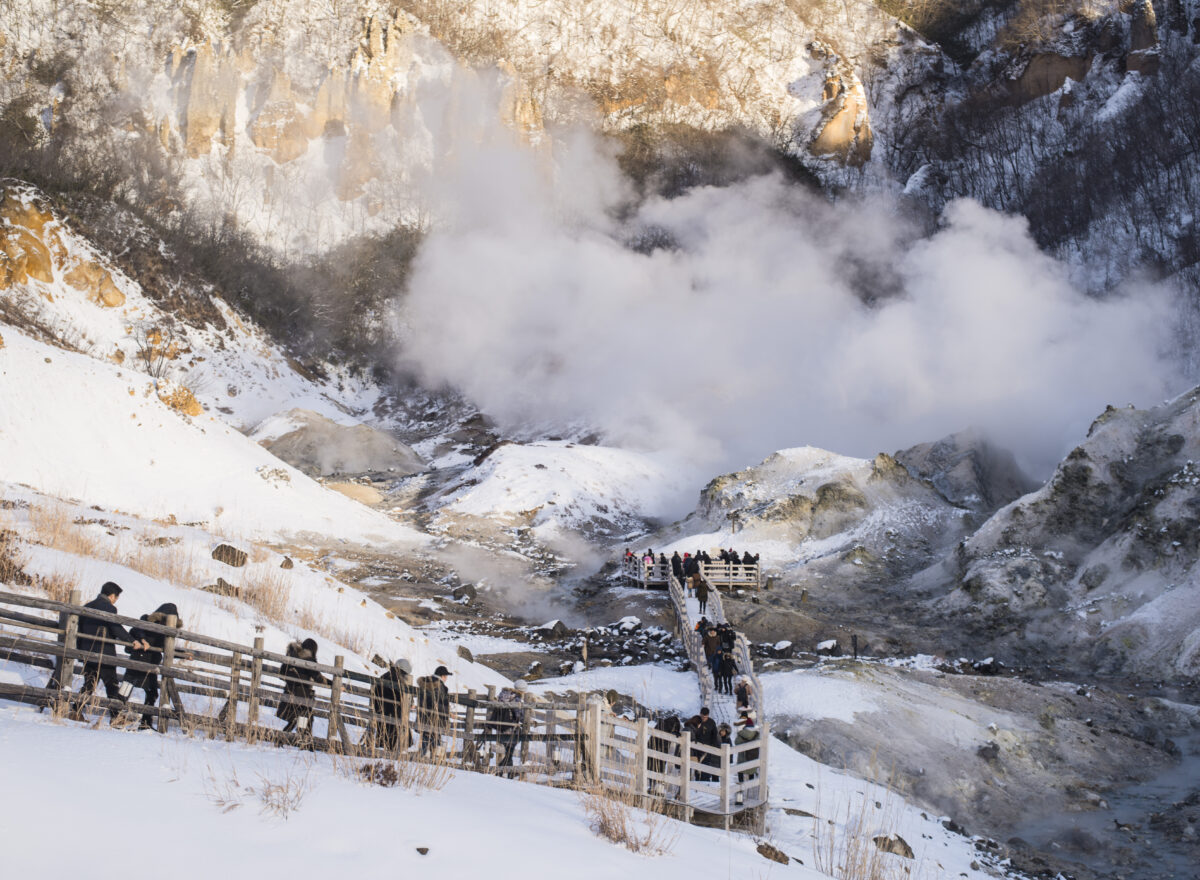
[636, 822]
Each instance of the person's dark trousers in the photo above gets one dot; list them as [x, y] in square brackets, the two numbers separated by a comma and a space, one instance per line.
[96, 672]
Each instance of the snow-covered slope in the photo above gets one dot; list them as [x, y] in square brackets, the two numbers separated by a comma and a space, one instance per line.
[80, 428]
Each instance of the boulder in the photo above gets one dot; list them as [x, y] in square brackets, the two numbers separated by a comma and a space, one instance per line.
[465, 593]
[223, 588]
[287, 563]
[775, 855]
[829, 648]
[554, 629]
[895, 844]
[230, 555]
[844, 132]
[465, 653]
[181, 399]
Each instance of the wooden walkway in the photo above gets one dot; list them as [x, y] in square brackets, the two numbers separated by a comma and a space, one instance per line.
[226, 690]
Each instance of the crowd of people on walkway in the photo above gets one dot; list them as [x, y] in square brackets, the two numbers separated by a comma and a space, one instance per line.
[684, 566]
[391, 693]
[705, 731]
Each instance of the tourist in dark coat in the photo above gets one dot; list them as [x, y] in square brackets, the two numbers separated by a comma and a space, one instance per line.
[706, 734]
[662, 745]
[435, 709]
[747, 732]
[508, 721]
[298, 684]
[677, 566]
[748, 559]
[390, 700]
[98, 638]
[742, 693]
[726, 670]
[151, 652]
[702, 593]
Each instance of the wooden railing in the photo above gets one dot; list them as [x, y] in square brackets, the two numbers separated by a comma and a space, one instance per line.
[728, 575]
[224, 689]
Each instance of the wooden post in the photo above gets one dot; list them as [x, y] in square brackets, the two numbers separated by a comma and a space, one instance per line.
[643, 743]
[595, 730]
[551, 742]
[230, 710]
[64, 672]
[580, 733]
[469, 750]
[526, 716]
[685, 768]
[256, 668]
[165, 693]
[726, 772]
[335, 705]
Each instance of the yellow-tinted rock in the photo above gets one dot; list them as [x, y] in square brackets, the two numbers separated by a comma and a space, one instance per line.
[22, 258]
[845, 130]
[97, 282]
[211, 102]
[1046, 74]
[278, 127]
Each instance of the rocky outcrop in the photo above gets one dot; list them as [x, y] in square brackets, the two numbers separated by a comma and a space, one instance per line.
[844, 132]
[968, 470]
[320, 446]
[96, 282]
[28, 239]
[1101, 567]
[1046, 73]
[1143, 54]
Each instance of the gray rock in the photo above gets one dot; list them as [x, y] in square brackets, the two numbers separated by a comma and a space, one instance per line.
[320, 446]
[465, 591]
[465, 653]
[230, 555]
[968, 470]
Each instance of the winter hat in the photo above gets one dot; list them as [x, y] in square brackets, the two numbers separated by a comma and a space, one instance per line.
[310, 645]
[748, 718]
[521, 685]
[403, 665]
[441, 670]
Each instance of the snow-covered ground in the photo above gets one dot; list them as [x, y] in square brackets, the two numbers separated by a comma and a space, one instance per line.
[198, 806]
[155, 564]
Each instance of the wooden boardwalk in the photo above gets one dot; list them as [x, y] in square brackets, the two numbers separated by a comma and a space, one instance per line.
[222, 689]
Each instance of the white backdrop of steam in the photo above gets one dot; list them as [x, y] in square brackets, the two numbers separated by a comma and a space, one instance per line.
[748, 335]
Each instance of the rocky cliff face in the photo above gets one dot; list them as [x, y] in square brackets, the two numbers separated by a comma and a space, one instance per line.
[310, 125]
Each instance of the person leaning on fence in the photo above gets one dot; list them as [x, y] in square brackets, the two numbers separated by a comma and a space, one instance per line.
[747, 732]
[98, 639]
[152, 652]
[507, 722]
[389, 707]
[298, 686]
[434, 707]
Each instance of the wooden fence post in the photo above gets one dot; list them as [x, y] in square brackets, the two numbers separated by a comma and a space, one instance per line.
[639, 773]
[685, 770]
[256, 669]
[335, 705]
[596, 729]
[164, 694]
[726, 772]
[64, 672]
[230, 710]
[469, 750]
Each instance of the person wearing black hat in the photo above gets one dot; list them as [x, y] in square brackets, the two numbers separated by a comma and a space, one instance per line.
[298, 692]
[98, 638]
[747, 732]
[435, 709]
[150, 652]
[389, 707]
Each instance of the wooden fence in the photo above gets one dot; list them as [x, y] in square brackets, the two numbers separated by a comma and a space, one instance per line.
[229, 690]
[728, 575]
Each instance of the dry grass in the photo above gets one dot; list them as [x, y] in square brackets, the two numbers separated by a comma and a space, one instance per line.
[269, 594]
[12, 560]
[162, 560]
[635, 822]
[53, 526]
[278, 794]
[407, 772]
[845, 847]
[57, 586]
[357, 640]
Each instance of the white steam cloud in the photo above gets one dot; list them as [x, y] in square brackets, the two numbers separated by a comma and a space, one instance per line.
[750, 333]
